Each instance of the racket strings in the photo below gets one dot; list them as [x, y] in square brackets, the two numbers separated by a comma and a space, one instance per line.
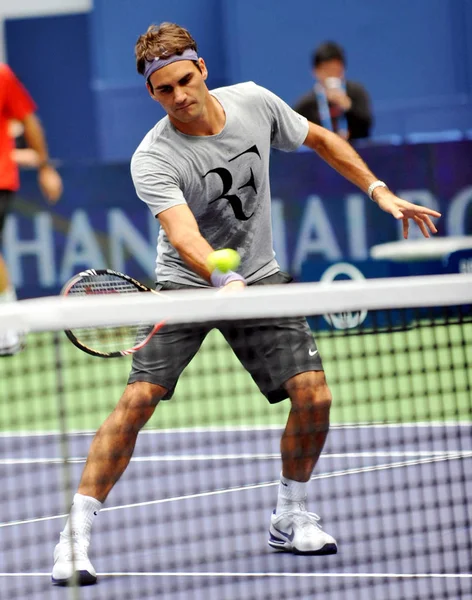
[103, 284]
[108, 339]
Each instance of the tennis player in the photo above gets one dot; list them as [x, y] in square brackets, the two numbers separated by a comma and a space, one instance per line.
[203, 170]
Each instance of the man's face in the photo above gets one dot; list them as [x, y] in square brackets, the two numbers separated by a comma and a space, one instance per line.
[180, 89]
[330, 68]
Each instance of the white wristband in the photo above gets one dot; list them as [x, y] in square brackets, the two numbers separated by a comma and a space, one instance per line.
[374, 186]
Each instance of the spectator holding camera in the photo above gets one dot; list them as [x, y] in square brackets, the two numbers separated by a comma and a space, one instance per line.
[336, 103]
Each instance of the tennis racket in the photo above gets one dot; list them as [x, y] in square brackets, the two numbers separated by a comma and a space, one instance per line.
[108, 342]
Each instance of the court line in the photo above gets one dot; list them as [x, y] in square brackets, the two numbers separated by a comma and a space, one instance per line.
[220, 457]
[344, 472]
[265, 575]
[214, 429]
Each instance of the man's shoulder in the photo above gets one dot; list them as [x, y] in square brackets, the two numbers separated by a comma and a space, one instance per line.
[156, 150]
[239, 91]
[155, 137]
[243, 86]
[248, 94]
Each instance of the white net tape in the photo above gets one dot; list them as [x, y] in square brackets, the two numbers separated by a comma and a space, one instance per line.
[57, 313]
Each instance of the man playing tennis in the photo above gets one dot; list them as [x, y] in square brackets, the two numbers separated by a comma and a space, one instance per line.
[203, 170]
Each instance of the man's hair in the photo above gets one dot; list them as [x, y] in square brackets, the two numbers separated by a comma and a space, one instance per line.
[163, 40]
[328, 51]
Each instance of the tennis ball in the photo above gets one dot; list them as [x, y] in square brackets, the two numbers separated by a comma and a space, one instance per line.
[224, 260]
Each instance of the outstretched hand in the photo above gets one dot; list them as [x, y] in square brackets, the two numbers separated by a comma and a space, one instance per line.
[401, 209]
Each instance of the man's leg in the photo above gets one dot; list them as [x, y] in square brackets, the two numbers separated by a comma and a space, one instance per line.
[283, 359]
[161, 360]
[113, 444]
[307, 425]
[109, 455]
[292, 527]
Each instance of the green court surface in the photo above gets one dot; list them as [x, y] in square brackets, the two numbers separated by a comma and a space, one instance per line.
[418, 375]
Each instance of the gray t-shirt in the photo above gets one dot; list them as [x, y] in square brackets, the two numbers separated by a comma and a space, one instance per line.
[223, 178]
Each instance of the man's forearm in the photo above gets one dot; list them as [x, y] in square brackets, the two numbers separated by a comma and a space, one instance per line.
[194, 250]
[340, 155]
[183, 234]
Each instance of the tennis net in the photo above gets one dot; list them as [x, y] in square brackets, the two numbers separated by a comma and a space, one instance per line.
[190, 516]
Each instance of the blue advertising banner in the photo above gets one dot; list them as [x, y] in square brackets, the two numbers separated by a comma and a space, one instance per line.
[98, 223]
[319, 218]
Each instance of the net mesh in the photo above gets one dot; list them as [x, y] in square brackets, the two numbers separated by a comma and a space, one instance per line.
[190, 516]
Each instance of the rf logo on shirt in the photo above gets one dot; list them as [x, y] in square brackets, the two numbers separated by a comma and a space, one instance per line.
[227, 182]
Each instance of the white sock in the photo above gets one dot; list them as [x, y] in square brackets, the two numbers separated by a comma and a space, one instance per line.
[8, 294]
[82, 513]
[292, 495]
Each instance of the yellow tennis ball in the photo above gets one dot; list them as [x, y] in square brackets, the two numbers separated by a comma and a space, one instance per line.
[224, 260]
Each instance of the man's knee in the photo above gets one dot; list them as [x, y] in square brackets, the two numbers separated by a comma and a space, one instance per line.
[309, 388]
[311, 399]
[139, 401]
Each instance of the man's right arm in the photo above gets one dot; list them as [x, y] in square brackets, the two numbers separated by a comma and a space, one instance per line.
[157, 183]
[183, 233]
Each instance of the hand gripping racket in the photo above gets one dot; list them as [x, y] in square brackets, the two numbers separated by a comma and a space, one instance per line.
[108, 342]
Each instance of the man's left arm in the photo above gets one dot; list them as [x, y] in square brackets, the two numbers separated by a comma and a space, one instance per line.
[340, 155]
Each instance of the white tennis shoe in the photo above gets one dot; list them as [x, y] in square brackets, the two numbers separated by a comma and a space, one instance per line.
[299, 532]
[71, 562]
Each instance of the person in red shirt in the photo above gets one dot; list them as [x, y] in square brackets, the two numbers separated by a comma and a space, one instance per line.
[16, 104]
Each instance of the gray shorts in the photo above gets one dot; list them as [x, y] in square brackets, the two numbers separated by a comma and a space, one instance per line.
[271, 350]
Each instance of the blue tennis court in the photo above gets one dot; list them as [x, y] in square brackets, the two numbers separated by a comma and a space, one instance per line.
[189, 519]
